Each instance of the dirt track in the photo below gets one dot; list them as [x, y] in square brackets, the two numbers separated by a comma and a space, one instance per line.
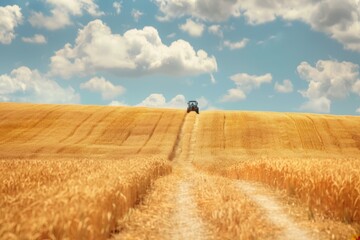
[185, 220]
[200, 199]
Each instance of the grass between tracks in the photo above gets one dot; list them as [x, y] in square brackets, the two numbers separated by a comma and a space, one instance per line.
[231, 212]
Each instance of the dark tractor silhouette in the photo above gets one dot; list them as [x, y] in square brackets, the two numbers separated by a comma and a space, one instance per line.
[193, 106]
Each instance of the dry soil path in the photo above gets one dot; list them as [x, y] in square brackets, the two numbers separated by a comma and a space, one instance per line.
[170, 210]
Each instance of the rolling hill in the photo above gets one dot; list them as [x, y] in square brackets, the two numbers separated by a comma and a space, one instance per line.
[98, 162]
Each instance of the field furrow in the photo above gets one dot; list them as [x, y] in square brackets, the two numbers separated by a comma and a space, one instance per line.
[94, 172]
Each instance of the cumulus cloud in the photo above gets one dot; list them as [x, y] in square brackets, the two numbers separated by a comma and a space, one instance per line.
[61, 12]
[285, 87]
[245, 83]
[26, 85]
[136, 14]
[10, 18]
[203, 103]
[137, 52]
[320, 105]
[339, 19]
[233, 95]
[117, 103]
[117, 6]
[236, 45]
[328, 80]
[158, 100]
[216, 30]
[194, 29]
[101, 85]
[36, 39]
[358, 110]
[208, 10]
[356, 87]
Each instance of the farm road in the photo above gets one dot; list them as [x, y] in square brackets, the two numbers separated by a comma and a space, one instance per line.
[172, 208]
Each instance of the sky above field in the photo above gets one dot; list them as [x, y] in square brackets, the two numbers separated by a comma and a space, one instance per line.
[288, 56]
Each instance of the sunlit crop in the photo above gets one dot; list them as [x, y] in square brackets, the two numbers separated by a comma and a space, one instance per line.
[315, 158]
[73, 172]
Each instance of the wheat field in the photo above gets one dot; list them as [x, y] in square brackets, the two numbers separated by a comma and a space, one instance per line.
[73, 172]
[313, 157]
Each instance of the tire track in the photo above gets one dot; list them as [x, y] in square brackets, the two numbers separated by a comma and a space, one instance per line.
[72, 133]
[36, 152]
[189, 225]
[94, 126]
[125, 130]
[224, 133]
[44, 129]
[317, 132]
[273, 211]
[34, 125]
[187, 217]
[334, 139]
[178, 217]
[297, 129]
[63, 148]
[176, 148]
[151, 134]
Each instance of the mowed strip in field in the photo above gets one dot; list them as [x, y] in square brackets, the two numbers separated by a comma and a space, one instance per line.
[75, 171]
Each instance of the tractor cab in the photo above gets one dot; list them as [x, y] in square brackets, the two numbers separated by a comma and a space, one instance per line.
[193, 106]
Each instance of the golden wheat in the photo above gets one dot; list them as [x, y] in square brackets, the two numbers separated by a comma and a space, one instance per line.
[74, 171]
[313, 157]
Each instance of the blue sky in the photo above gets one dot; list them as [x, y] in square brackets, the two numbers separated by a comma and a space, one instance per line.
[288, 56]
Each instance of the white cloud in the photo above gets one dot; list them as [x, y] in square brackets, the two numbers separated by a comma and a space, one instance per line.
[248, 82]
[203, 103]
[328, 80]
[117, 103]
[216, 30]
[159, 101]
[61, 12]
[26, 85]
[339, 19]
[194, 29]
[208, 10]
[212, 79]
[236, 45]
[117, 6]
[136, 14]
[233, 95]
[37, 39]
[107, 89]
[356, 87]
[137, 52]
[10, 18]
[285, 87]
[320, 105]
[245, 83]
[171, 35]
[271, 38]
[358, 110]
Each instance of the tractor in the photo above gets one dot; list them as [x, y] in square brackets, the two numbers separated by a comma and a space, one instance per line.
[193, 106]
